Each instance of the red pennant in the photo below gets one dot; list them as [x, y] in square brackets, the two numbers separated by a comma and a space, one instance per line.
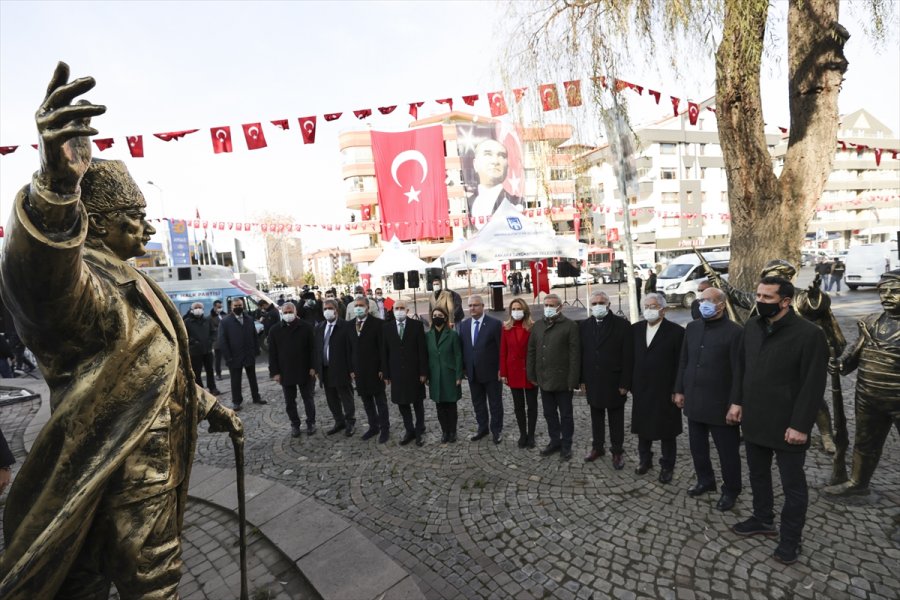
[519, 93]
[549, 97]
[264, 227]
[675, 103]
[204, 224]
[103, 143]
[246, 226]
[894, 154]
[573, 92]
[230, 225]
[655, 95]
[364, 113]
[195, 224]
[601, 80]
[168, 136]
[711, 109]
[447, 101]
[34, 146]
[253, 133]
[693, 112]
[4, 150]
[221, 139]
[282, 123]
[136, 145]
[843, 145]
[386, 110]
[414, 109]
[783, 130]
[878, 156]
[498, 104]
[308, 129]
[221, 225]
[470, 100]
[333, 116]
[366, 212]
[1, 228]
[620, 85]
[238, 227]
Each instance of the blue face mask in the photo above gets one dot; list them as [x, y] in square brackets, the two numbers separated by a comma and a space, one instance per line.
[707, 309]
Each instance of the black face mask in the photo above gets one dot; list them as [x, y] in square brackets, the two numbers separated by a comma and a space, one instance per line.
[765, 309]
[238, 310]
[438, 321]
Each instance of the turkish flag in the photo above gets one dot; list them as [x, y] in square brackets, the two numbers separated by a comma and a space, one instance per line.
[655, 95]
[168, 136]
[878, 152]
[253, 133]
[386, 110]
[410, 169]
[366, 212]
[221, 139]
[470, 100]
[103, 143]
[549, 97]
[498, 104]
[447, 101]
[136, 145]
[282, 123]
[620, 85]
[693, 112]
[573, 92]
[333, 116]
[540, 278]
[675, 103]
[308, 129]
[363, 113]
[414, 109]
[4, 150]
[519, 93]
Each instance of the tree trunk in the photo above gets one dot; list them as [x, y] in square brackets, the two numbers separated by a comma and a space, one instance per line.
[769, 216]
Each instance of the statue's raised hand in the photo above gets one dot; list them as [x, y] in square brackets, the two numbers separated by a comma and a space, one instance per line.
[64, 129]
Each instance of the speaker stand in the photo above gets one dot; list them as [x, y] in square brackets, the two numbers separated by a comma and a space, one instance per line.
[565, 293]
[415, 305]
[619, 312]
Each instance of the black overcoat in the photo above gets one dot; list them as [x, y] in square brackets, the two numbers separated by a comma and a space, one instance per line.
[607, 354]
[200, 334]
[291, 352]
[238, 343]
[405, 360]
[368, 356]
[340, 353]
[653, 414]
[710, 360]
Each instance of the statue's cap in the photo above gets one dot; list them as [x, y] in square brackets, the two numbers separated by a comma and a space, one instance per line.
[108, 186]
[891, 279]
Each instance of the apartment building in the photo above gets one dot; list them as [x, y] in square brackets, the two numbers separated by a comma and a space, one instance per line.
[325, 263]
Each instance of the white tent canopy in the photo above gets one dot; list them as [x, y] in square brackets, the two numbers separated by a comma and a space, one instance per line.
[510, 236]
[396, 257]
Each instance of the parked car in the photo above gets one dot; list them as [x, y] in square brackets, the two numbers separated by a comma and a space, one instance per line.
[586, 278]
[681, 277]
[605, 275]
[866, 263]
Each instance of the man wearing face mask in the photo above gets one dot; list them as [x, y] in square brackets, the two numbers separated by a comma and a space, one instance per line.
[448, 300]
[291, 354]
[369, 373]
[334, 364]
[405, 364]
[215, 318]
[480, 337]
[606, 356]
[654, 416]
[782, 376]
[240, 347]
[554, 365]
[710, 358]
[379, 303]
[200, 336]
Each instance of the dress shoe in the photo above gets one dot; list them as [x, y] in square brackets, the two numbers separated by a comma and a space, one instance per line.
[643, 468]
[351, 429]
[754, 526]
[478, 436]
[665, 475]
[699, 490]
[259, 401]
[383, 437]
[295, 431]
[445, 438]
[565, 454]
[498, 437]
[787, 553]
[215, 392]
[452, 439]
[410, 436]
[530, 443]
[337, 427]
[726, 502]
[550, 449]
[218, 377]
[523, 441]
[236, 407]
[618, 461]
[420, 439]
[592, 456]
[370, 433]
[311, 429]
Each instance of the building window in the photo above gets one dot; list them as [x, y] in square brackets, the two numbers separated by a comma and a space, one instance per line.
[724, 197]
[666, 148]
[560, 174]
[634, 223]
[701, 149]
[643, 172]
[670, 198]
[667, 173]
[702, 172]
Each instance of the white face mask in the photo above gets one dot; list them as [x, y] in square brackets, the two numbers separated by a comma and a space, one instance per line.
[651, 314]
[518, 315]
[288, 317]
[599, 310]
[359, 311]
[437, 288]
[378, 296]
[198, 312]
[400, 314]
[549, 312]
[329, 314]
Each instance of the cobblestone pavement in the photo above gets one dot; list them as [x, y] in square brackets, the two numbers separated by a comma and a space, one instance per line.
[475, 520]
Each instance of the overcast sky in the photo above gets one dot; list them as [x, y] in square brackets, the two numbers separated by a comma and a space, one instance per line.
[163, 66]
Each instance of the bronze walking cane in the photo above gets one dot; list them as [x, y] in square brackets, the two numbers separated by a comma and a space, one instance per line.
[238, 441]
[841, 436]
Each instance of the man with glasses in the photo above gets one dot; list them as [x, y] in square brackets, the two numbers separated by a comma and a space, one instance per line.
[480, 336]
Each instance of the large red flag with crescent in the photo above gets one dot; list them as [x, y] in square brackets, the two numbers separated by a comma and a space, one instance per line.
[412, 193]
[540, 278]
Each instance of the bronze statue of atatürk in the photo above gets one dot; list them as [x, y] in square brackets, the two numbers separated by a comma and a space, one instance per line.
[101, 497]
[876, 358]
[815, 306]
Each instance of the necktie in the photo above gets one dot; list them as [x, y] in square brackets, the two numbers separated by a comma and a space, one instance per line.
[402, 327]
[327, 339]
[475, 335]
[358, 326]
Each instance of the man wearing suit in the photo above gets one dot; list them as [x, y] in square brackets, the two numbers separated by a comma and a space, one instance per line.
[654, 415]
[369, 373]
[491, 164]
[405, 364]
[607, 352]
[240, 347]
[480, 337]
[291, 352]
[334, 364]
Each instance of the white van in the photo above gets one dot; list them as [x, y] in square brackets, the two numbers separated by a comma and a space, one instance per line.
[679, 280]
[867, 262]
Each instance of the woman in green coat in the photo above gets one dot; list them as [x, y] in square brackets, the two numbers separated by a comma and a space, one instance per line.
[445, 368]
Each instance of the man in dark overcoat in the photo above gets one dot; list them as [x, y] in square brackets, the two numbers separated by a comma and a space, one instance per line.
[240, 347]
[334, 363]
[607, 352]
[405, 364]
[710, 359]
[480, 339]
[291, 353]
[654, 416]
[369, 372]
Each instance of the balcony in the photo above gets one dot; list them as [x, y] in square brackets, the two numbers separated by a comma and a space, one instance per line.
[358, 170]
[350, 139]
[357, 200]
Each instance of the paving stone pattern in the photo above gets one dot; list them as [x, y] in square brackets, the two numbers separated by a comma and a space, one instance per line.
[475, 520]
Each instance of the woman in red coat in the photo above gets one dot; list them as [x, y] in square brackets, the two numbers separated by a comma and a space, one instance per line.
[513, 352]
